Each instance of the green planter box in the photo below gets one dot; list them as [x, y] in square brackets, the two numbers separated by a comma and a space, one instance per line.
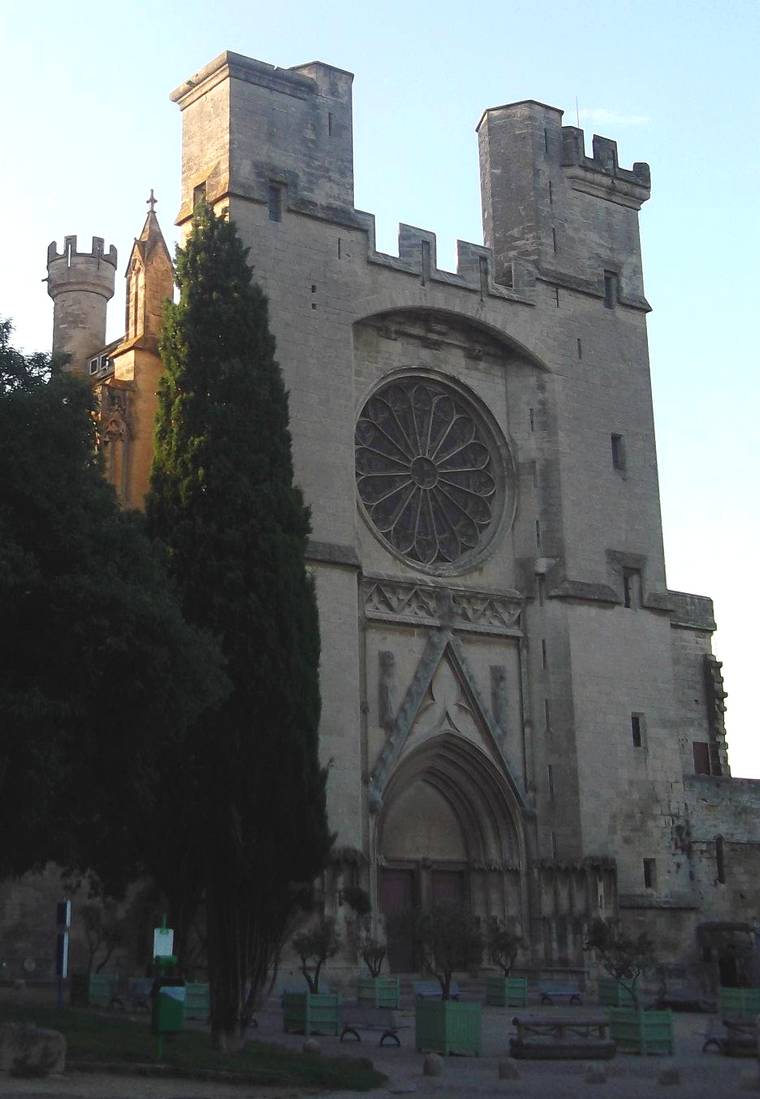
[738, 1002]
[311, 1013]
[506, 991]
[92, 989]
[197, 1003]
[379, 991]
[447, 1026]
[641, 1031]
[613, 994]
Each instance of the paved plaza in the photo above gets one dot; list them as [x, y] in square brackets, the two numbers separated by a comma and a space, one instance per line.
[702, 1075]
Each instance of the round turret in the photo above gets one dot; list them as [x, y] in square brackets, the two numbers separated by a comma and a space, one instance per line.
[81, 285]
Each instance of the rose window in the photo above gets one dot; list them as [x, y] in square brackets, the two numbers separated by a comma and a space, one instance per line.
[428, 471]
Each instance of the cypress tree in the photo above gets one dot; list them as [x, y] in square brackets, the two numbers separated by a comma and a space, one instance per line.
[223, 501]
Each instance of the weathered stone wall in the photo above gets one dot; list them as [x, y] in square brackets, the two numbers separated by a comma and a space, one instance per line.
[727, 809]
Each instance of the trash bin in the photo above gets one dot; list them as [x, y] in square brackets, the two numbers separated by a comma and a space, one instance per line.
[168, 1013]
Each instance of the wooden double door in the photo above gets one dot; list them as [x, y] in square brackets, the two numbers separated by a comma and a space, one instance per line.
[404, 890]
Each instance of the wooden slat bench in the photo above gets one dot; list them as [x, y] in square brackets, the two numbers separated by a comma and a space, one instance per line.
[550, 991]
[557, 1038]
[358, 1017]
[431, 990]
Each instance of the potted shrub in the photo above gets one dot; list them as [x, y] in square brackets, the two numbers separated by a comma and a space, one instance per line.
[503, 990]
[373, 988]
[313, 1012]
[448, 940]
[624, 958]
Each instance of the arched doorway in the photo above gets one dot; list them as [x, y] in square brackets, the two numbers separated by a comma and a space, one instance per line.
[450, 829]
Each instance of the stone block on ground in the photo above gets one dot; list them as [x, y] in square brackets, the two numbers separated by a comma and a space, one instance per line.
[27, 1050]
[668, 1074]
[432, 1065]
[595, 1074]
[750, 1080]
[508, 1070]
[311, 1045]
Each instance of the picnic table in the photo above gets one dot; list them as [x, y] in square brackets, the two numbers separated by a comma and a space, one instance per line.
[559, 1037]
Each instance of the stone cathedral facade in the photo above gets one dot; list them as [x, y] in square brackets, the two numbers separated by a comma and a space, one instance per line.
[517, 712]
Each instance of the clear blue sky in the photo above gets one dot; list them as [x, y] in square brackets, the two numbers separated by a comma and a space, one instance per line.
[87, 129]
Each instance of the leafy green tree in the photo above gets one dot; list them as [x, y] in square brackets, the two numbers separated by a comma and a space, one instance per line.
[448, 939]
[223, 502]
[624, 957]
[100, 676]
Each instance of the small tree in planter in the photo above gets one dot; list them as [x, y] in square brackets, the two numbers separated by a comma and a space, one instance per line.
[313, 1012]
[448, 939]
[503, 944]
[624, 958]
[314, 946]
[376, 990]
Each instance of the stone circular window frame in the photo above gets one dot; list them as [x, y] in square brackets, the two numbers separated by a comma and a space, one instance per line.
[506, 481]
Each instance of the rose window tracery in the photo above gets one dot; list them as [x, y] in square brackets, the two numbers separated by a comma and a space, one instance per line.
[427, 471]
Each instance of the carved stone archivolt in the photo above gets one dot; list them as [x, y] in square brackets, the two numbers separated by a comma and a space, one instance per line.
[388, 600]
[429, 472]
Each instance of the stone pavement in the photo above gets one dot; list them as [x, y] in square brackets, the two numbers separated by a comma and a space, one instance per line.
[702, 1075]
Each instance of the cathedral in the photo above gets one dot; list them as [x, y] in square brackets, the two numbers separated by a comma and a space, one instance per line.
[518, 713]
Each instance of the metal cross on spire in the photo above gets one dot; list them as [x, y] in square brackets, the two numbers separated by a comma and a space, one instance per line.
[151, 201]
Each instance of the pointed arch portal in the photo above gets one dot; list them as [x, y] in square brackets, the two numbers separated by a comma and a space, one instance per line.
[450, 829]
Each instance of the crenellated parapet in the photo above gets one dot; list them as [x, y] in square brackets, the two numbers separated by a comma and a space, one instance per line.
[81, 284]
[601, 172]
[417, 255]
[571, 216]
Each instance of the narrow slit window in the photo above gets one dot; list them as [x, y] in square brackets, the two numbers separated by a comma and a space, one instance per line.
[637, 730]
[556, 296]
[275, 202]
[541, 586]
[543, 652]
[617, 447]
[546, 140]
[532, 419]
[538, 533]
[550, 780]
[199, 194]
[720, 859]
[329, 123]
[551, 194]
[610, 289]
[547, 714]
[631, 587]
[554, 239]
[579, 346]
[650, 873]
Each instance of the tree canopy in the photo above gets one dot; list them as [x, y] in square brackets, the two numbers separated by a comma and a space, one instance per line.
[100, 675]
[235, 526]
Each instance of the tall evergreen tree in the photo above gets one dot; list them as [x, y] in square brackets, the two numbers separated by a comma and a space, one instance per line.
[100, 676]
[223, 501]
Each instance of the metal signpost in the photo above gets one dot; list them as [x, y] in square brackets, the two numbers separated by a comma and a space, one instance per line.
[63, 923]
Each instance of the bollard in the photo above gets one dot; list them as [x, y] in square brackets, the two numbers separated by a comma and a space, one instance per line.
[432, 1065]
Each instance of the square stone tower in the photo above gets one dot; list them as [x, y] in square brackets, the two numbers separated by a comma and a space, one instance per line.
[504, 715]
